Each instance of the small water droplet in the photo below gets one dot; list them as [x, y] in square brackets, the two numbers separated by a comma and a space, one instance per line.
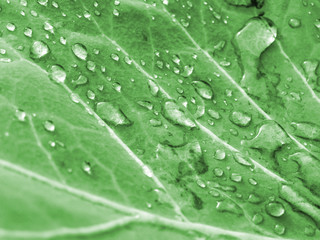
[57, 73]
[128, 60]
[240, 118]
[214, 114]
[116, 12]
[91, 66]
[176, 59]
[49, 126]
[220, 154]
[81, 80]
[218, 172]
[86, 167]
[203, 89]
[38, 50]
[253, 198]
[236, 177]
[187, 71]
[112, 114]
[80, 51]
[27, 32]
[146, 104]
[11, 27]
[242, 159]
[275, 209]
[279, 229]
[21, 115]
[176, 115]
[154, 88]
[48, 27]
[227, 205]
[91, 95]
[43, 2]
[155, 122]
[257, 218]
[116, 86]
[294, 22]
[115, 57]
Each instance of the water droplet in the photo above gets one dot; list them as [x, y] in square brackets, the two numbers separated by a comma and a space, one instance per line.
[91, 95]
[294, 23]
[241, 159]
[236, 177]
[80, 51]
[176, 59]
[201, 183]
[275, 209]
[116, 12]
[48, 27]
[307, 130]
[27, 32]
[220, 45]
[128, 60]
[253, 198]
[214, 114]
[43, 2]
[155, 122]
[112, 114]
[176, 115]
[187, 71]
[38, 50]
[86, 167]
[257, 218]
[146, 104]
[220, 154]
[253, 182]
[218, 172]
[81, 80]
[240, 118]
[228, 206]
[57, 74]
[154, 88]
[49, 126]
[115, 57]
[21, 115]
[11, 27]
[309, 231]
[279, 229]
[91, 66]
[203, 89]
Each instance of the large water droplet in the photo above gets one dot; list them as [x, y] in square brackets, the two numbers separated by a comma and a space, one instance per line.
[275, 209]
[203, 89]
[80, 51]
[112, 114]
[11, 27]
[57, 74]
[173, 112]
[240, 118]
[38, 50]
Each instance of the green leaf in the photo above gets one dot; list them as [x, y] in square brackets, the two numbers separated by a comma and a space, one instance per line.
[150, 119]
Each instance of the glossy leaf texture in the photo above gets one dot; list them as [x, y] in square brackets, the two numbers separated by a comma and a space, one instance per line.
[147, 119]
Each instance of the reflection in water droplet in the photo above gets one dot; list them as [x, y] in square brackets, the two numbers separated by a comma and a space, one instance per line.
[21, 115]
[38, 50]
[49, 126]
[203, 89]
[177, 116]
[275, 209]
[112, 114]
[80, 51]
[57, 74]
